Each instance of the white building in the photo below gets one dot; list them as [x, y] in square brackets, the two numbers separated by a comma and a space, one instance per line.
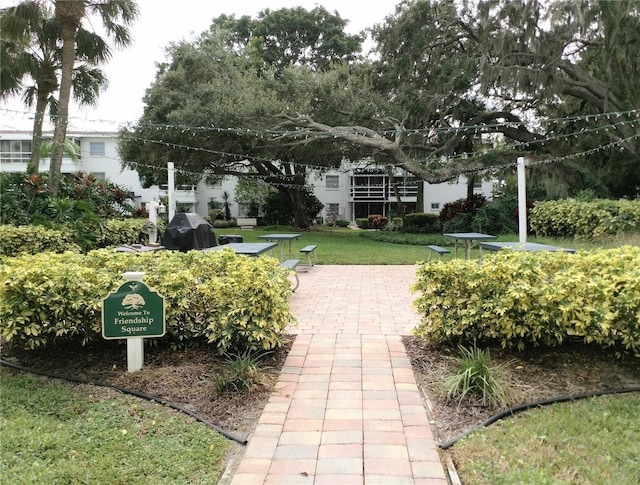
[351, 193]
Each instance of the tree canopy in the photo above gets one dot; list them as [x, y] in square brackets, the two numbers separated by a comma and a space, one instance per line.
[452, 89]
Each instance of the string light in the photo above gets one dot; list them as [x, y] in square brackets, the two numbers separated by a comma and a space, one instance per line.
[425, 132]
[432, 131]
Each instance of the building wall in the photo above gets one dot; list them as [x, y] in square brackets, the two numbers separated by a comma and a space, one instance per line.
[333, 189]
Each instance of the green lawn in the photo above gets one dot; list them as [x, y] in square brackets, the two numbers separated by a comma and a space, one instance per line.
[592, 441]
[59, 433]
[354, 246]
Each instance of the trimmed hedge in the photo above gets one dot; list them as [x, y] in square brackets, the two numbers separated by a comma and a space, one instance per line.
[518, 299]
[117, 232]
[16, 240]
[236, 302]
[34, 238]
[571, 218]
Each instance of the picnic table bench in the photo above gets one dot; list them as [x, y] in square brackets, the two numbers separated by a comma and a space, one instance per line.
[309, 250]
[291, 264]
[437, 249]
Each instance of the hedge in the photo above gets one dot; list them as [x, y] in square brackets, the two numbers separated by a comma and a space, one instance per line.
[16, 240]
[34, 238]
[586, 220]
[236, 302]
[518, 299]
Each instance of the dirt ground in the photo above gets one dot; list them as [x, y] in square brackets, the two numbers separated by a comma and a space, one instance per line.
[184, 378]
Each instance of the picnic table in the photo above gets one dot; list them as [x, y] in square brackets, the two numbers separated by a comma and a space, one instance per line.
[138, 248]
[249, 249]
[521, 246]
[468, 238]
[281, 239]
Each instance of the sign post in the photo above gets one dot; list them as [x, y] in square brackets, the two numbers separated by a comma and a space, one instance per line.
[133, 312]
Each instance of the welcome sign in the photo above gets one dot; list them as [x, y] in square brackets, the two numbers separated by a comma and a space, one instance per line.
[133, 310]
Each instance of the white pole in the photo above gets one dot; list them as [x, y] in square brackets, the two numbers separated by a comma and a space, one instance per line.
[522, 200]
[135, 345]
[170, 190]
[152, 209]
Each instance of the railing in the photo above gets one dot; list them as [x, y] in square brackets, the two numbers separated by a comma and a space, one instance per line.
[365, 192]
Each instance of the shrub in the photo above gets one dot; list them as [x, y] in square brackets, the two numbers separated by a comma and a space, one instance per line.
[16, 240]
[342, 223]
[118, 232]
[25, 199]
[377, 221]
[422, 223]
[237, 303]
[362, 223]
[518, 299]
[581, 219]
[499, 216]
[461, 206]
[223, 224]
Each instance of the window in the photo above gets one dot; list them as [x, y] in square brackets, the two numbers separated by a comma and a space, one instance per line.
[333, 212]
[15, 151]
[435, 205]
[332, 181]
[477, 184]
[96, 149]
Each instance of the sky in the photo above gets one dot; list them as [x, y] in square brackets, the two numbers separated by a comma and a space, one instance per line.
[132, 71]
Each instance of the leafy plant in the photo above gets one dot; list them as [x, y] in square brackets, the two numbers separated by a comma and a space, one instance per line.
[476, 377]
[518, 298]
[242, 372]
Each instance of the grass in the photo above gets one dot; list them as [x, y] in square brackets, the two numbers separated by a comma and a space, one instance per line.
[592, 441]
[54, 432]
[341, 246]
[344, 246]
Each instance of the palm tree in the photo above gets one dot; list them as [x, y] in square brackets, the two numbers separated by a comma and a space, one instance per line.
[116, 16]
[31, 48]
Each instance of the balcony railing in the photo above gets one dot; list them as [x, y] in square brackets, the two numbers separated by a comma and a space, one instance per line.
[381, 193]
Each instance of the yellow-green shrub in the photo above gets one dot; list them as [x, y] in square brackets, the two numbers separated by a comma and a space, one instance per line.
[571, 218]
[15, 240]
[539, 298]
[117, 232]
[236, 302]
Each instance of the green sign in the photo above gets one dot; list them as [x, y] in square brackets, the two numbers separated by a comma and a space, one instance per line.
[133, 311]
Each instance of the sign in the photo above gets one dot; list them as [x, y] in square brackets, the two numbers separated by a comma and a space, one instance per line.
[133, 310]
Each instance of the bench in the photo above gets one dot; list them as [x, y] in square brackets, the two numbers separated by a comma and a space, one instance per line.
[291, 264]
[247, 222]
[309, 250]
[437, 249]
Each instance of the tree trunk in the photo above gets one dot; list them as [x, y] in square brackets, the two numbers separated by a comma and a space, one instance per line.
[36, 141]
[420, 196]
[396, 192]
[300, 219]
[471, 180]
[69, 14]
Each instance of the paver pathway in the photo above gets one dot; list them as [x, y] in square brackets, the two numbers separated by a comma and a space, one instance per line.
[346, 409]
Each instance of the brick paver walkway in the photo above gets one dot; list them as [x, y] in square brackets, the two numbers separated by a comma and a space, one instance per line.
[346, 409]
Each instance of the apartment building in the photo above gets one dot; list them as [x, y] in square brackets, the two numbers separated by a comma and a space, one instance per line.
[355, 191]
